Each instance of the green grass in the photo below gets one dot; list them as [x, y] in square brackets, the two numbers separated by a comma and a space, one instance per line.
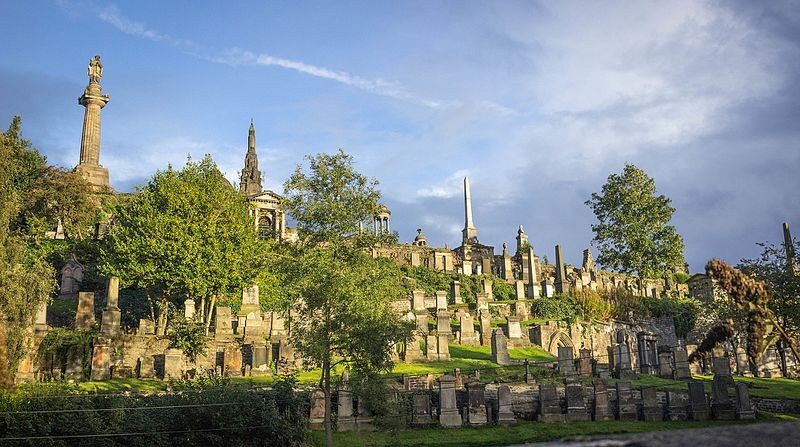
[523, 431]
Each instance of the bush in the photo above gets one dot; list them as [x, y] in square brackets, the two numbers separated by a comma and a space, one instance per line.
[556, 308]
[188, 336]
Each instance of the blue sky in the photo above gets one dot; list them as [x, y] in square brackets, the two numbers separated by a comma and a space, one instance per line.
[537, 102]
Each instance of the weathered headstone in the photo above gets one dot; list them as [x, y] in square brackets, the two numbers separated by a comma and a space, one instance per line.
[344, 415]
[651, 410]
[261, 355]
[665, 365]
[467, 335]
[482, 301]
[721, 405]
[514, 329]
[698, 404]
[223, 327]
[680, 364]
[500, 348]
[443, 321]
[146, 327]
[421, 318]
[519, 287]
[413, 351]
[418, 299]
[41, 317]
[648, 352]
[441, 300]
[253, 328]
[84, 316]
[744, 409]
[721, 368]
[101, 360]
[146, 369]
[626, 406]
[232, 361]
[562, 285]
[547, 288]
[566, 361]
[421, 414]
[173, 364]
[448, 412]
[486, 327]
[71, 277]
[550, 404]
[585, 364]
[576, 405]
[110, 324]
[486, 286]
[189, 309]
[602, 412]
[476, 414]
[676, 406]
[316, 418]
[505, 413]
[455, 292]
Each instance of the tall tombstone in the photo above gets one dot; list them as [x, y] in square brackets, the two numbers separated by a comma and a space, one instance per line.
[500, 348]
[505, 413]
[602, 412]
[665, 365]
[626, 406]
[651, 410]
[421, 318]
[550, 404]
[482, 301]
[486, 287]
[71, 278]
[223, 328]
[698, 404]
[566, 361]
[413, 351]
[443, 321]
[448, 411]
[485, 321]
[41, 317]
[418, 299]
[562, 285]
[441, 300]
[721, 367]
[681, 363]
[110, 324]
[443, 345]
[261, 359]
[232, 361]
[576, 405]
[676, 406]
[173, 364]
[514, 329]
[253, 328]
[189, 309]
[344, 415]
[84, 316]
[585, 364]
[721, 405]
[534, 289]
[623, 359]
[421, 414]
[648, 352]
[519, 289]
[146, 367]
[476, 413]
[455, 292]
[101, 360]
[467, 335]
[316, 417]
[547, 288]
[744, 409]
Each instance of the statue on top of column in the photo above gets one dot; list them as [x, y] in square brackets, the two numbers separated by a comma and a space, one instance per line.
[95, 70]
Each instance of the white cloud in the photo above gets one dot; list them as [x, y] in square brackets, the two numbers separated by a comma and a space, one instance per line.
[449, 187]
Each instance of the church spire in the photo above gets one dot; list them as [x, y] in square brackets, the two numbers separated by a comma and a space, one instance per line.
[250, 182]
[470, 232]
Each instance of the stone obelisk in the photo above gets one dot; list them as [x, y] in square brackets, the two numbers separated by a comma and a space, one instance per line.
[93, 100]
[470, 232]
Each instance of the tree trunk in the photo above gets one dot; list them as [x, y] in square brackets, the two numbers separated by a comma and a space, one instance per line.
[326, 389]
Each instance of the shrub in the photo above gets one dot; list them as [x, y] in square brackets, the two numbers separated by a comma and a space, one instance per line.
[556, 308]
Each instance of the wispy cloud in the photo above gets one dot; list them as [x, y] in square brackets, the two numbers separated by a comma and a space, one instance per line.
[448, 188]
[237, 56]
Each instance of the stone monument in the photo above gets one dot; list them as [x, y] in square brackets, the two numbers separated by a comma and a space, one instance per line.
[93, 100]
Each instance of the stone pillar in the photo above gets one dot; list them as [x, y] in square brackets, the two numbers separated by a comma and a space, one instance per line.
[344, 415]
[602, 412]
[418, 299]
[534, 290]
[448, 411]
[189, 309]
[486, 285]
[316, 417]
[485, 321]
[110, 324]
[562, 285]
[93, 100]
[441, 300]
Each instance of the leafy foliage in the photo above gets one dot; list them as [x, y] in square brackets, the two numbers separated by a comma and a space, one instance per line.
[188, 336]
[60, 342]
[60, 195]
[633, 234]
[431, 280]
[555, 308]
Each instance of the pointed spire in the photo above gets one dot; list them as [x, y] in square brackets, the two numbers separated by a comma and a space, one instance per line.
[250, 181]
[251, 137]
[470, 232]
[788, 246]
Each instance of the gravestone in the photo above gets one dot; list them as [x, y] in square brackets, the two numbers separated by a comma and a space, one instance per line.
[651, 410]
[566, 361]
[476, 414]
[189, 309]
[101, 360]
[146, 327]
[482, 300]
[602, 412]
[421, 318]
[253, 328]
[585, 364]
[626, 406]
[602, 370]
[84, 316]
[455, 292]
[173, 364]
[364, 419]
[528, 376]
[698, 405]
[71, 278]
[676, 406]
[505, 413]
[344, 415]
[441, 300]
[721, 405]
[519, 286]
[744, 409]
[562, 285]
[316, 417]
[547, 288]
[443, 322]
[500, 348]
[110, 324]
[550, 404]
[721, 367]
[418, 299]
[680, 364]
[622, 359]
[232, 361]
[486, 286]
[261, 360]
[421, 415]
[467, 335]
[514, 329]
[223, 328]
[576, 405]
[648, 352]
[413, 350]
[74, 364]
[41, 317]
[486, 327]
[665, 365]
[146, 367]
[448, 412]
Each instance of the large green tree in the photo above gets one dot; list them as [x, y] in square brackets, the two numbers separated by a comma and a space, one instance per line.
[633, 233]
[186, 234]
[341, 298]
[25, 281]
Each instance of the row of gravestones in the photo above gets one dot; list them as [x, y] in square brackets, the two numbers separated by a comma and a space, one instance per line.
[552, 408]
[673, 364]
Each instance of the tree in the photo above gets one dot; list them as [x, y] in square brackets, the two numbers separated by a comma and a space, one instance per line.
[61, 196]
[186, 234]
[339, 295]
[633, 234]
[25, 281]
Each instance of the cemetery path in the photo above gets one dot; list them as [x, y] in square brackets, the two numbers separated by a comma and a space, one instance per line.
[779, 433]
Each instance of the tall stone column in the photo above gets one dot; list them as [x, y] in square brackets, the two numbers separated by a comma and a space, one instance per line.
[93, 100]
